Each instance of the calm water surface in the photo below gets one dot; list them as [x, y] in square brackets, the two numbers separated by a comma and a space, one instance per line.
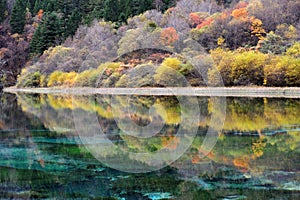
[43, 153]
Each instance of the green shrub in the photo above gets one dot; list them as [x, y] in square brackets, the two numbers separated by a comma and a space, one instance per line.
[273, 44]
[28, 79]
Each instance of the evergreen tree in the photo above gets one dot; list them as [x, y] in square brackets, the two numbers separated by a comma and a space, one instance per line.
[72, 23]
[36, 43]
[52, 30]
[17, 20]
[49, 33]
[122, 17]
[111, 10]
[2, 10]
[30, 4]
[135, 7]
[145, 5]
[37, 6]
[168, 4]
[125, 10]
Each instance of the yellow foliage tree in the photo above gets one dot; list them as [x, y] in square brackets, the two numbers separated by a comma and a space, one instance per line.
[294, 50]
[172, 62]
[257, 28]
[54, 79]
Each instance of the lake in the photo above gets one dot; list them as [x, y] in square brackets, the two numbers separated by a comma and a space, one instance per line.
[149, 147]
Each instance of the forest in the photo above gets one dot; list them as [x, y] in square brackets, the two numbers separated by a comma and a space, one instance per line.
[129, 43]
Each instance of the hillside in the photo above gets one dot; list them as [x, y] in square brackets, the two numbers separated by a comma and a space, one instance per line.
[195, 42]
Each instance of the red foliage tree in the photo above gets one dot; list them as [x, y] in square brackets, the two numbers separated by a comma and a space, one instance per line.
[169, 36]
[206, 22]
[195, 19]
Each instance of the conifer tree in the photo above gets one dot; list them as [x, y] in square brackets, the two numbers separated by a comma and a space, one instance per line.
[144, 5]
[48, 33]
[72, 23]
[52, 30]
[2, 10]
[111, 11]
[37, 6]
[17, 20]
[36, 43]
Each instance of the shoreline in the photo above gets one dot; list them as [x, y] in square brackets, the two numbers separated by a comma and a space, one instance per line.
[278, 92]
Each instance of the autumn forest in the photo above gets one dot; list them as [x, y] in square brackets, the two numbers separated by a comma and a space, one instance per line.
[109, 43]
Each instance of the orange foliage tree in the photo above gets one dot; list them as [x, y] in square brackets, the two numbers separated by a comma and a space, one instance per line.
[257, 29]
[168, 36]
[240, 13]
[195, 19]
[206, 22]
[40, 14]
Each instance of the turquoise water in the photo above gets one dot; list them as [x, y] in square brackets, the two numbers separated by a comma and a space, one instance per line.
[43, 154]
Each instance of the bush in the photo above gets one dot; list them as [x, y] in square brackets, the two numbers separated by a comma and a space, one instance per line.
[86, 78]
[54, 79]
[172, 62]
[247, 68]
[283, 71]
[29, 79]
[293, 71]
[238, 68]
[69, 79]
[43, 81]
[140, 76]
[294, 50]
[167, 77]
[222, 64]
[107, 74]
[273, 44]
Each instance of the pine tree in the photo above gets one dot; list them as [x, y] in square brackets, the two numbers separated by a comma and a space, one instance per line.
[125, 9]
[17, 20]
[52, 30]
[30, 4]
[37, 7]
[122, 17]
[111, 10]
[49, 33]
[36, 43]
[72, 23]
[145, 5]
[168, 4]
[2, 10]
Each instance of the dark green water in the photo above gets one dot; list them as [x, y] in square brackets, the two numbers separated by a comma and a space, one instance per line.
[43, 153]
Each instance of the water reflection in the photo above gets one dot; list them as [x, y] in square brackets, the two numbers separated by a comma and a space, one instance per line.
[42, 155]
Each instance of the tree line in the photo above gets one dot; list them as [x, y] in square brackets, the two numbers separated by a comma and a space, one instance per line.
[61, 18]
